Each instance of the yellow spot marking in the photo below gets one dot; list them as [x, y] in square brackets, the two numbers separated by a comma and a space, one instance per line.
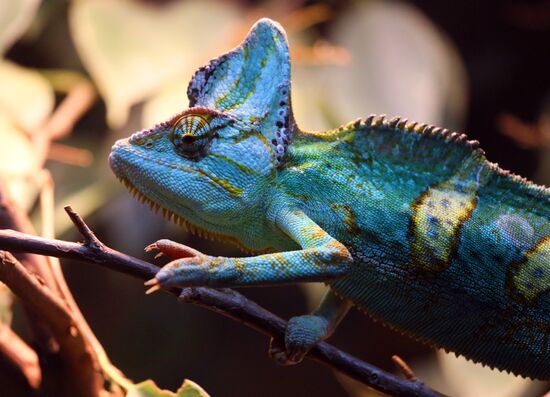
[342, 253]
[314, 232]
[528, 279]
[280, 260]
[436, 224]
[349, 217]
[305, 165]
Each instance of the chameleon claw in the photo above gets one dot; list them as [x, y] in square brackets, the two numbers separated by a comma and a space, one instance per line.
[154, 284]
[154, 247]
[151, 247]
[172, 250]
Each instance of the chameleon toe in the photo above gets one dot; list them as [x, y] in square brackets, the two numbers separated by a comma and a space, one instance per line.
[154, 286]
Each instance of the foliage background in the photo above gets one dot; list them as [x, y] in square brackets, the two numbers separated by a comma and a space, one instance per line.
[481, 67]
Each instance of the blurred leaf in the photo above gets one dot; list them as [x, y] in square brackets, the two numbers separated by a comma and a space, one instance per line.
[6, 299]
[153, 47]
[148, 388]
[26, 97]
[15, 18]
[171, 100]
[18, 163]
[16, 152]
[401, 65]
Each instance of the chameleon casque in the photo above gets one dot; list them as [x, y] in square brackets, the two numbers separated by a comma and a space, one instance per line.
[408, 222]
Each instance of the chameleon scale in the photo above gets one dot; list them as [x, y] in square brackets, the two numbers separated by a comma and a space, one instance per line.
[406, 221]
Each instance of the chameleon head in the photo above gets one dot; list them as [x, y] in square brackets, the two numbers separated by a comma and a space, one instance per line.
[211, 166]
[202, 168]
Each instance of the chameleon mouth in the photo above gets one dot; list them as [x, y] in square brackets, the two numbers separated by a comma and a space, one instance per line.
[184, 223]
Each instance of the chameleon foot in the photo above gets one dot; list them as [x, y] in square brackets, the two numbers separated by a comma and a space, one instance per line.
[277, 352]
[186, 268]
[172, 249]
[301, 334]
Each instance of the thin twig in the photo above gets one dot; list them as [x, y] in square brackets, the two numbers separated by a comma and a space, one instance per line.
[70, 155]
[225, 301]
[20, 355]
[79, 99]
[404, 368]
[90, 238]
[77, 102]
[83, 377]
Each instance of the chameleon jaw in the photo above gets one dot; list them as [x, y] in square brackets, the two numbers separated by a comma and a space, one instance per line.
[184, 223]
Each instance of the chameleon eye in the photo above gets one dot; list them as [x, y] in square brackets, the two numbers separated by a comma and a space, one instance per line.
[191, 135]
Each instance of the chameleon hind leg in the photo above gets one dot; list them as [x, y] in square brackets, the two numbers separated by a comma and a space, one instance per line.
[303, 332]
[321, 258]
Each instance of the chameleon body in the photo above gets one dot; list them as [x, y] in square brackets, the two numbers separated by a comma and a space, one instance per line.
[408, 222]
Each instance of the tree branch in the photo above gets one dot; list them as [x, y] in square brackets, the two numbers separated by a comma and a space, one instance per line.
[79, 359]
[224, 301]
[49, 273]
[20, 357]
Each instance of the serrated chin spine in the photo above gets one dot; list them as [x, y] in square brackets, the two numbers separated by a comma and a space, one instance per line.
[184, 223]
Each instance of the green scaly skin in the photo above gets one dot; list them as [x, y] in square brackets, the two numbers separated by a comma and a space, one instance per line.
[406, 221]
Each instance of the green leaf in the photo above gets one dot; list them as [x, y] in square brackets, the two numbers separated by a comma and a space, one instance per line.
[26, 97]
[15, 18]
[19, 164]
[154, 46]
[148, 388]
[401, 65]
[26, 101]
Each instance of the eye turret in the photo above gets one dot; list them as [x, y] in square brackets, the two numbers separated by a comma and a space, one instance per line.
[191, 135]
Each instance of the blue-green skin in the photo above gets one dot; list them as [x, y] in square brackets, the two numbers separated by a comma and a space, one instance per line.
[408, 222]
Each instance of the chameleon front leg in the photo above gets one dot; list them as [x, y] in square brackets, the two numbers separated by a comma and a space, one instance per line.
[303, 332]
[321, 258]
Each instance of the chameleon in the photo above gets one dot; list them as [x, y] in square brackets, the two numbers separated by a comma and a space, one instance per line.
[408, 222]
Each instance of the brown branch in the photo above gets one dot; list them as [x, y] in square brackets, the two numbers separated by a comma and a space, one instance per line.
[20, 356]
[77, 102]
[225, 301]
[13, 217]
[90, 238]
[70, 155]
[404, 368]
[49, 275]
[79, 99]
[82, 373]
